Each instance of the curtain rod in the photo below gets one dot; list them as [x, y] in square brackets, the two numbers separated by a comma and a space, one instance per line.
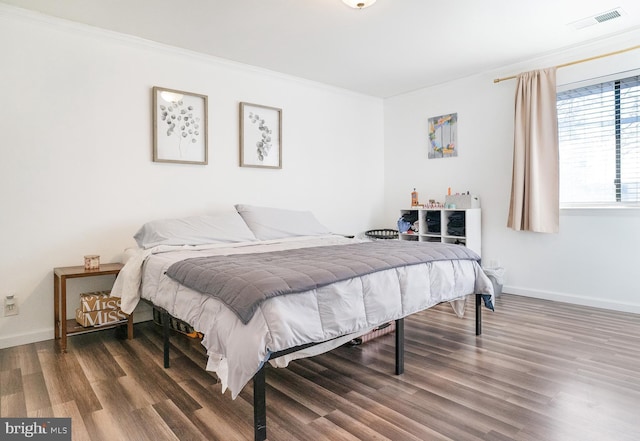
[497, 80]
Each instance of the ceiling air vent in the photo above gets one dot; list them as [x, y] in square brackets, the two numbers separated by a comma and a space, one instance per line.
[607, 16]
[599, 18]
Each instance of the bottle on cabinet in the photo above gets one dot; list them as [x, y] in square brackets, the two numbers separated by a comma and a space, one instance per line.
[414, 198]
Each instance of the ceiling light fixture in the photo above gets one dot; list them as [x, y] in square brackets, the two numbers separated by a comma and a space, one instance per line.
[359, 4]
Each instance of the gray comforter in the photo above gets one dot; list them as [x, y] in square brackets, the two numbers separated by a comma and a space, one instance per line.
[242, 282]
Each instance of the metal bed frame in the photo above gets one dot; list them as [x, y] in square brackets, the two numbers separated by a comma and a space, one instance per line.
[259, 378]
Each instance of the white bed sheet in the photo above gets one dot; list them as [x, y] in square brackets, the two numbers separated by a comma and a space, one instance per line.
[344, 309]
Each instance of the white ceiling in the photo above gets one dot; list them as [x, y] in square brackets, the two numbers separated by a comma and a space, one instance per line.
[393, 47]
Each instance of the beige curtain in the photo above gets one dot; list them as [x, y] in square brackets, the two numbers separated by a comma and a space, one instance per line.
[534, 187]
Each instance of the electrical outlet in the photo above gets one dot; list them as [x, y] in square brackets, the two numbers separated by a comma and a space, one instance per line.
[10, 306]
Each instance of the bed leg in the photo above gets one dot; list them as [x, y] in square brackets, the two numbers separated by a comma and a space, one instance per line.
[399, 346]
[259, 406]
[478, 314]
[165, 335]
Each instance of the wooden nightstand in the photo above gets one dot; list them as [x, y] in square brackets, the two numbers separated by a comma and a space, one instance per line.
[64, 327]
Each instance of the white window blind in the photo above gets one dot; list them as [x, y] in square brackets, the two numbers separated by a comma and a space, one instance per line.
[599, 140]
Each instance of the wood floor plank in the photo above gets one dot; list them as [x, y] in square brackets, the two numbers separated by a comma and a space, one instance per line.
[11, 382]
[180, 425]
[55, 377]
[23, 357]
[36, 394]
[218, 427]
[381, 426]
[307, 393]
[128, 418]
[157, 427]
[323, 425]
[359, 429]
[213, 425]
[96, 361]
[104, 426]
[137, 395]
[541, 371]
[13, 406]
[66, 380]
[395, 416]
[70, 409]
[153, 377]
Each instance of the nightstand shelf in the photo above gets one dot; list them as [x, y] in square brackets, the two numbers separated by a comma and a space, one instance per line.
[63, 326]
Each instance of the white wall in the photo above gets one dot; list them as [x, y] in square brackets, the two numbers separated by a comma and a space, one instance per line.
[593, 260]
[76, 175]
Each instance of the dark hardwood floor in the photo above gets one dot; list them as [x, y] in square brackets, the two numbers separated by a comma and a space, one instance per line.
[540, 371]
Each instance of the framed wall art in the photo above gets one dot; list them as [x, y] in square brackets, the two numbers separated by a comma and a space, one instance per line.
[260, 136]
[443, 136]
[179, 127]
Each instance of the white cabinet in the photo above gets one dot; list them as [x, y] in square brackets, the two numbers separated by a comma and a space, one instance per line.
[461, 226]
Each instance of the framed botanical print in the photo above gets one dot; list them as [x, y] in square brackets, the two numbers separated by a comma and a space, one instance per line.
[179, 127]
[260, 136]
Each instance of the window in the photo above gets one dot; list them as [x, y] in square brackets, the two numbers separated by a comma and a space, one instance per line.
[599, 140]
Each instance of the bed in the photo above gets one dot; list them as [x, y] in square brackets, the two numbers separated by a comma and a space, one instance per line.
[354, 287]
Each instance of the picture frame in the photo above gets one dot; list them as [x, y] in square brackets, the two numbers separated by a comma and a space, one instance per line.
[260, 136]
[443, 136]
[180, 132]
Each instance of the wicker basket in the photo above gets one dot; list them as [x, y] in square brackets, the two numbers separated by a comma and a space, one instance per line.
[384, 233]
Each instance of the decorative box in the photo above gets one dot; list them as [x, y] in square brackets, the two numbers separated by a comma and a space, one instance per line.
[462, 201]
[99, 317]
[99, 300]
[99, 308]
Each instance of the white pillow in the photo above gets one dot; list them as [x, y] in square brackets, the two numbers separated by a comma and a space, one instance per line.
[194, 230]
[275, 223]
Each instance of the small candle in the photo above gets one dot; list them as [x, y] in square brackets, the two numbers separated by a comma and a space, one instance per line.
[92, 262]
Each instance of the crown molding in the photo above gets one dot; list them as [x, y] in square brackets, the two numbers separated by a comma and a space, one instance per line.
[28, 16]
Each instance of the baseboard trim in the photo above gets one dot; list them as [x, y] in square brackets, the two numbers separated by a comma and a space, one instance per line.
[7, 341]
[47, 333]
[143, 314]
[574, 299]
